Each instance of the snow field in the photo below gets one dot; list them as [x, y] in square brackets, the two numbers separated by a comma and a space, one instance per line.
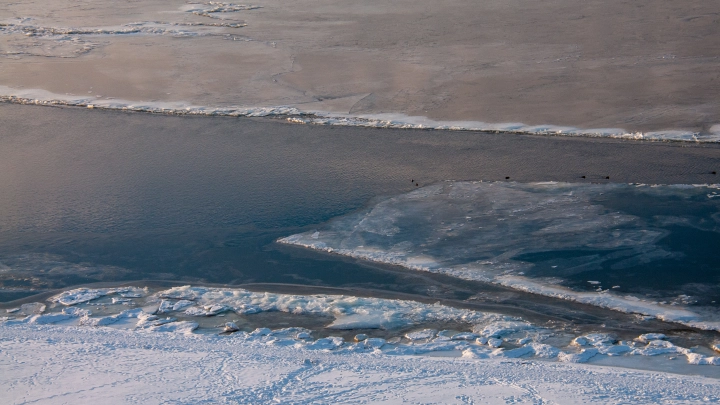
[51, 364]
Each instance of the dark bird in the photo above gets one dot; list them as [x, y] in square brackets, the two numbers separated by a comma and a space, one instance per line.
[607, 177]
[507, 178]
[416, 184]
[582, 177]
[714, 172]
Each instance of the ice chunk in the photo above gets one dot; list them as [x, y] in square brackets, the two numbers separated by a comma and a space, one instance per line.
[420, 348]
[124, 301]
[48, 318]
[544, 350]
[247, 309]
[78, 312]
[501, 328]
[594, 339]
[111, 319]
[132, 294]
[425, 334]
[261, 332]
[494, 342]
[582, 357]
[80, 295]
[464, 336]
[185, 327]
[292, 332]
[374, 343]
[32, 308]
[444, 335]
[146, 320]
[51, 318]
[580, 341]
[230, 327]
[475, 352]
[614, 350]
[165, 306]
[328, 343]
[182, 293]
[371, 320]
[518, 352]
[695, 358]
[647, 337]
[656, 347]
[180, 305]
[206, 310]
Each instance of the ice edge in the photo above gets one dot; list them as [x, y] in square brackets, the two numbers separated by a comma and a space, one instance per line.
[295, 115]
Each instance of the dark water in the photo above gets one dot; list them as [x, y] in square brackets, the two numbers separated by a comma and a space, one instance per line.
[89, 196]
[688, 264]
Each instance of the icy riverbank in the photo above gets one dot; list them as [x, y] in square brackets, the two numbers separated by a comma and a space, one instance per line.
[402, 324]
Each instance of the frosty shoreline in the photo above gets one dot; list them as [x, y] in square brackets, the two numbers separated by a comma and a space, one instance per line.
[163, 360]
[181, 310]
[298, 116]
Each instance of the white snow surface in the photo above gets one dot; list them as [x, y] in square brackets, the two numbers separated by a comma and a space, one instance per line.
[295, 114]
[49, 364]
[474, 231]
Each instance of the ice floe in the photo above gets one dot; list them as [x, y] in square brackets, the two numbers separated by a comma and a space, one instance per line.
[479, 230]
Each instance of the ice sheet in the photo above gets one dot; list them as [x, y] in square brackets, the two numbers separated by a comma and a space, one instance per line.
[477, 231]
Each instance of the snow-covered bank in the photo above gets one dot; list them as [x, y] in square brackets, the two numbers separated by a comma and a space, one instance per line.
[51, 364]
[402, 325]
[295, 114]
[480, 230]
